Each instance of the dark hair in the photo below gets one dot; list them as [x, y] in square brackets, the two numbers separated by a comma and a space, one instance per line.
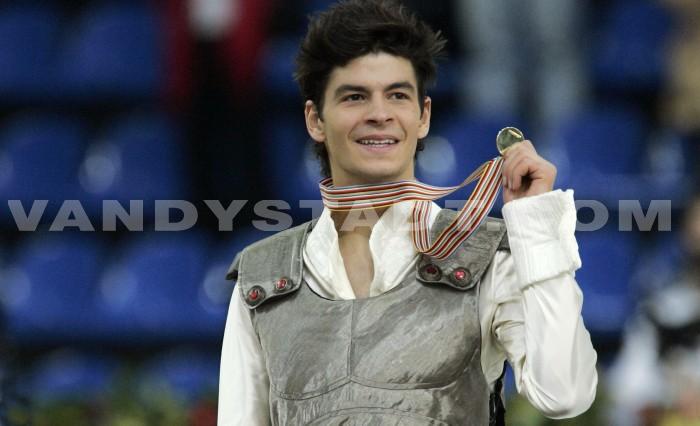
[354, 28]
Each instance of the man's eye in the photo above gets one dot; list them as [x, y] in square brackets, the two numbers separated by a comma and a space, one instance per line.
[353, 97]
[399, 95]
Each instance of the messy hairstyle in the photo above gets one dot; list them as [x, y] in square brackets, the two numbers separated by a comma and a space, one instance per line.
[354, 28]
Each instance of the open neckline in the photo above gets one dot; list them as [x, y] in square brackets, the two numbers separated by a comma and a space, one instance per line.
[404, 284]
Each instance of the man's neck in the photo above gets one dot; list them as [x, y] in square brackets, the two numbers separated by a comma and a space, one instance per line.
[356, 222]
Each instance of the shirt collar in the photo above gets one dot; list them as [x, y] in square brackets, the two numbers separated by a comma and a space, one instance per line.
[390, 244]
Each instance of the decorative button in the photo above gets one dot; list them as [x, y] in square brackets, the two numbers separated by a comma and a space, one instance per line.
[461, 277]
[430, 272]
[255, 295]
[283, 284]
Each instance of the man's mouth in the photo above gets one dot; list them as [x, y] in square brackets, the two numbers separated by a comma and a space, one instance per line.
[377, 142]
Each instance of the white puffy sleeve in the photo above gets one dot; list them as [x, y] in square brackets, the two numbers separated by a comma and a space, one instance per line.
[243, 381]
[535, 306]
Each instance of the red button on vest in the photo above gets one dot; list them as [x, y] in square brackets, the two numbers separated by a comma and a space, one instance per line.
[431, 269]
[253, 294]
[459, 274]
[281, 283]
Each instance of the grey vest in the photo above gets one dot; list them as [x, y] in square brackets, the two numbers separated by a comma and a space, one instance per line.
[410, 356]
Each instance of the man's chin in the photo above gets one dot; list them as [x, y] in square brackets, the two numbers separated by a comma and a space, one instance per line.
[376, 176]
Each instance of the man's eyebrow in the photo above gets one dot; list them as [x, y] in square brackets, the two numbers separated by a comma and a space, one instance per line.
[349, 88]
[400, 85]
[362, 89]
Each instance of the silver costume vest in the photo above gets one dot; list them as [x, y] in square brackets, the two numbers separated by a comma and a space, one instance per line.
[410, 356]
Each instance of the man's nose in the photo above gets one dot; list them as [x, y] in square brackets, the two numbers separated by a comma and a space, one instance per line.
[379, 112]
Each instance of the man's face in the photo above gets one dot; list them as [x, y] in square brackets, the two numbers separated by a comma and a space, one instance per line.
[371, 120]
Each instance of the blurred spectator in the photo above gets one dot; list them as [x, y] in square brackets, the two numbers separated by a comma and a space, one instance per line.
[226, 108]
[682, 104]
[525, 57]
[239, 27]
[655, 379]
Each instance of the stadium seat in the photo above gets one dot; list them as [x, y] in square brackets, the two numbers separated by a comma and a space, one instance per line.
[28, 40]
[603, 145]
[149, 293]
[186, 374]
[314, 6]
[287, 147]
[606, 139]
[277, 67]
[115, 50]
[609, 158]
[39, 160]
[48, 286]
[631, 52]
[137, 157]
[659, 264]
[608, 260]
[69, 375]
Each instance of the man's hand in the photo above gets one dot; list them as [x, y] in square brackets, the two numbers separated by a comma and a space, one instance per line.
[525, 173]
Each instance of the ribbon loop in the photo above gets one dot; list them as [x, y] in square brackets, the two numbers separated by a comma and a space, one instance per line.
[370, 196]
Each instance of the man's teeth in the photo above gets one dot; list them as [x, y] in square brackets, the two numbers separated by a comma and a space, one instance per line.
[376, 142]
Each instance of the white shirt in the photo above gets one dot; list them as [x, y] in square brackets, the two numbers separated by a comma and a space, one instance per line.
[529, 306]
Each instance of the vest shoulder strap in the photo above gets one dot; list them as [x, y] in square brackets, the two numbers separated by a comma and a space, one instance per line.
[464, 268]
[270, 268]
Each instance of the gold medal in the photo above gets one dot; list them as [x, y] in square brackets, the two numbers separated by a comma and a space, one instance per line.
[508, 137]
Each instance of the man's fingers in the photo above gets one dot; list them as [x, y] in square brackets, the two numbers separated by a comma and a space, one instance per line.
[509, 164]
[522, 161]
[525, 145]
[522, 169]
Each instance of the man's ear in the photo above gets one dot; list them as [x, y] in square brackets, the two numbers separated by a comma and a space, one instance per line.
[314, 123]
[424, 125]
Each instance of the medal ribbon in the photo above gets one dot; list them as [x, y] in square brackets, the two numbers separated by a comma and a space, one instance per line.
[370, 196]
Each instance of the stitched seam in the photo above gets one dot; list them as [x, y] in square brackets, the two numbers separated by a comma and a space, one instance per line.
[351, 343]
[378, 410]
[416, 385]
[311, 394]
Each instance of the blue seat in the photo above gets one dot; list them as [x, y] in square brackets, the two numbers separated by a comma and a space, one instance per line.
[277, 67]
[40, 156]
[606, 151]
[606, 140]
[449, 78]
[608, 259]
[293, 172]
[659, 264]
[150, 292]
[608, 158]
[28, 40]
[314, 6]
[631, 52]
[68, 375]
[137, 157]
[115, 50]
[48, 288]
[185, 374]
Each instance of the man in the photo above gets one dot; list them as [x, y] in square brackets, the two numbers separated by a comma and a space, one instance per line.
[342, 320]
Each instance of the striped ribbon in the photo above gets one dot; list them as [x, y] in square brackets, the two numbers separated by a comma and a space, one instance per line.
[371, 196]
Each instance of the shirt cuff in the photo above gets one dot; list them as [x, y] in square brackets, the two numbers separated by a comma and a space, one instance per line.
[541, 235]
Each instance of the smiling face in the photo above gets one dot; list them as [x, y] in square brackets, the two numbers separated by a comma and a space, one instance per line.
[371, 120]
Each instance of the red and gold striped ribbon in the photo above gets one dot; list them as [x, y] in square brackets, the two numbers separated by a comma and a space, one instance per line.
[370, 196]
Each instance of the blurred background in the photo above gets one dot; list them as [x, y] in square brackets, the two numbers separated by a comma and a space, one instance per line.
[194, 100]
